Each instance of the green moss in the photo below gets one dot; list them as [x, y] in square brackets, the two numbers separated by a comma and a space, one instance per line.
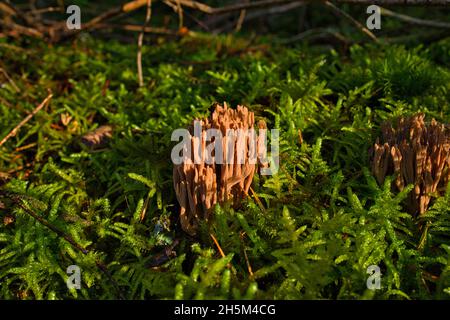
[315, 227]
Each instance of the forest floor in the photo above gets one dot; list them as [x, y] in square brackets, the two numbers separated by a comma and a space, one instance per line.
[309, 232]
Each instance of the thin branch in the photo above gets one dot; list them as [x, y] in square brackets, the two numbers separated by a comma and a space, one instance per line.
[11, 81]
[94, 22]
[13, 11]
[234, 7]
[217, 245]
[247, 261]
[138, 28]
[17, 29]
[172, 5]
[178, 9]
[424, 37]
[417, 21]
[264, 3]
[141, 41]
[200, 23]
[399, 2]
[314, 34]
[58, 31]
[45, 10]
[262, 13]
[257, 200]
[349, 17]
[24, 121]
[18, 201]
[7, 9]
[180, 15]
[240, 20]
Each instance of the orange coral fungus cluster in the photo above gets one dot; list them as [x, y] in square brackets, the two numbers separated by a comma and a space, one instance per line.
[416, 153]
[200, 184]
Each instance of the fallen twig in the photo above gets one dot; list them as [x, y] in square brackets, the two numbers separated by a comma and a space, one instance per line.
[57, 31]
[423, 37]
[314, 34]
[138, 28]
[265, 3]
[140, 42]
[241, 19]
[17, 29]
[234, 7]
[217, 245]
[14, 131]
[11, 81]
[263, 13]
[247, 261]
[11, 10]
[349, 17]
[417, 21]
[18, 201]
[399, 2]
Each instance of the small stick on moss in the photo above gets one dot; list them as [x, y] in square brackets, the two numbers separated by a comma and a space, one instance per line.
[28, 146]
[416, 21]
[352, 20]
[423, 238]
[15, 198]
[141, 41]
[257, 200]
[180, 15]
[247, 261]
[11, 81]
[138, 28]
[217, 245]
[241, 19]
[24, 121]
[144, 209]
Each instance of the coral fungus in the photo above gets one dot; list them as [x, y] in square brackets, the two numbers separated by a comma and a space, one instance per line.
[227, 174]
[418, 153]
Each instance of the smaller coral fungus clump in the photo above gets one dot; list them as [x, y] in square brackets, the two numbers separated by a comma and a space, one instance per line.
[200, 184]
[417, 153]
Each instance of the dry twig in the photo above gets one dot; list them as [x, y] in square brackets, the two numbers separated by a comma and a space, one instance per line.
[31, 24]
[217, 245]
[416, 21]
[15, 198]
[14, 131]
[11, 81]
[140, 42]
[352, 20]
